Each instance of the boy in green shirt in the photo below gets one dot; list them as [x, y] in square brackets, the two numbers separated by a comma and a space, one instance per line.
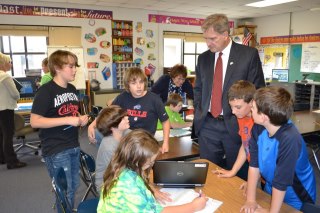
[173, 107]
[47, 75]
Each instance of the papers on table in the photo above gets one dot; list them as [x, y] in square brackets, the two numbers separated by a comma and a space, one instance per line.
[183, 196]
[173, 133]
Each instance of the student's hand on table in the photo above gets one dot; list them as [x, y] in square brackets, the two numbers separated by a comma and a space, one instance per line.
[261, 210]
[91, 133]
[244, 188]
[199, 202]
[162, 197]
[223, 173]
[249, 207]
[164, 148]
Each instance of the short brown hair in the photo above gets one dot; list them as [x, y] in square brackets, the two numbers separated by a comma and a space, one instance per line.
[59, 58]
[241, 90]
[219, 22]
[178, 69]
[45, 62]
[110, 117]
[133, 74]
[174, 99]
[276, 103]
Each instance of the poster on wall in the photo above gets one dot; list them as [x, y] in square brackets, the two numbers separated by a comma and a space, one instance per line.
[310, 58]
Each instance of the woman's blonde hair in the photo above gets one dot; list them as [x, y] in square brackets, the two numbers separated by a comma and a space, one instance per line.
[4, 59]
[133, 153]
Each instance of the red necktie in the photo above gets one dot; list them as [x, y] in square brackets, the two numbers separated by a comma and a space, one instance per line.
[216, 95]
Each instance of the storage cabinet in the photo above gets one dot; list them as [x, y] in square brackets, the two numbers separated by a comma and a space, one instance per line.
[122, 42]
[306, 95]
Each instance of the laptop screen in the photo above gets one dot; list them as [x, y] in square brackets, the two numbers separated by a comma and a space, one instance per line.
[178, 174]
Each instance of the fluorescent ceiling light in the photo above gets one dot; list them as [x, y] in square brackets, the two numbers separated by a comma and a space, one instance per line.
[268, 3]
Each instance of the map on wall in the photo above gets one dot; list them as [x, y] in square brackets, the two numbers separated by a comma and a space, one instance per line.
[310, 59]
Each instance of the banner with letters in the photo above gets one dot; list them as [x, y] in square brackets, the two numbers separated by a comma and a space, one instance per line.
[24, 10]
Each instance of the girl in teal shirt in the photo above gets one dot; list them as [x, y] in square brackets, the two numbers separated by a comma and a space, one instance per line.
[126, 187]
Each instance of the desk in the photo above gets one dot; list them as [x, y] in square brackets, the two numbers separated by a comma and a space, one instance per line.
[305, 121]
[180, 148]
[227, 190]
[24, 109]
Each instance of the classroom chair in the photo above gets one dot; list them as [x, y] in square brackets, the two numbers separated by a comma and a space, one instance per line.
[313, 142]
[310, 208]
[88, 168]
[60, 187]
[21, 131]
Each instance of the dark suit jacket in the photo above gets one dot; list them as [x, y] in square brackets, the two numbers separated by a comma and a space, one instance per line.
[243, 64]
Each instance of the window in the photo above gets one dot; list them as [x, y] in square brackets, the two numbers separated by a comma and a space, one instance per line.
[172, 51]
[183, 48]
[191, 52]
[26, 52]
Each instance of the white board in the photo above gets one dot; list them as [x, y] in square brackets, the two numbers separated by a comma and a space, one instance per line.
[79, 81]
[310, 58]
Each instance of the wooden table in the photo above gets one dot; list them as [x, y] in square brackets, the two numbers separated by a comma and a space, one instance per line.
[227, 190]
[306, 121]
[180, 148]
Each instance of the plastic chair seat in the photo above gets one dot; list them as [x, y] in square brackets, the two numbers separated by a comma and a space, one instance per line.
[21, 131]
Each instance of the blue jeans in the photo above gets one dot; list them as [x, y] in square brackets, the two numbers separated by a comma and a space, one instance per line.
[69, 160]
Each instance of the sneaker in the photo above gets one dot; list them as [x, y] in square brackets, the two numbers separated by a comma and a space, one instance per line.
[16, 165]
[42, 160]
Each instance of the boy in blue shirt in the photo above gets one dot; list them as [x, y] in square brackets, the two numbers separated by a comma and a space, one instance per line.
[278, 152]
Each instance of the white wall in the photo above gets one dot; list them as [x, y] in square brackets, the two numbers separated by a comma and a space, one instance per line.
[279, 25]
[118, 14]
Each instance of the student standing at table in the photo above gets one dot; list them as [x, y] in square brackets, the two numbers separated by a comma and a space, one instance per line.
[126, 180]
[217, 69]
[175, 82]
[278, 153]
[55, 111]
[8, 102]
[144, 108]
[240, 97]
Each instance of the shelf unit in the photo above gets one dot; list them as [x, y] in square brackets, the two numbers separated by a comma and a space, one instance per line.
[122, 41]
[306, 95]
[118, 71]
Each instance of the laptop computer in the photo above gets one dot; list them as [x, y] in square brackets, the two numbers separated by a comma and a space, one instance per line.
[180, 174]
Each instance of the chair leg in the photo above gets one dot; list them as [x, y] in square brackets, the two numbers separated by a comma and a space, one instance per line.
[314, 151]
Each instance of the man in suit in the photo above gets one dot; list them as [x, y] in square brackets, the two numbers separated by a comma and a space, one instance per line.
[217, 127]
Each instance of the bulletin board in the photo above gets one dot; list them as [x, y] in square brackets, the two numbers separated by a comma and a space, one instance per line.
[310, 58]
[273, 57]
[79, 82]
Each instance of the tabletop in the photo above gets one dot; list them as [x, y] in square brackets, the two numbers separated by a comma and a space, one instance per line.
[227, 190]
[180, 148]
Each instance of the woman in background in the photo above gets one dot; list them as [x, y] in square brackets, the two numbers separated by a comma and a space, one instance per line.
[176, 82]
[8, 102]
